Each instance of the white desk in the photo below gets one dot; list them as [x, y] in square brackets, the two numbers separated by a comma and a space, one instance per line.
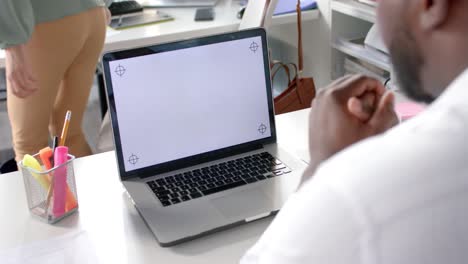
[184, 26]
[117, 233]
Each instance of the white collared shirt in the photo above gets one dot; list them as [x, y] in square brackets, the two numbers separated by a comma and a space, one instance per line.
[401, 197]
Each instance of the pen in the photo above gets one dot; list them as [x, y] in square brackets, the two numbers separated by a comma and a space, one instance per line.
[55, 143]
[66, 124]
[47, 157]
[49, 195]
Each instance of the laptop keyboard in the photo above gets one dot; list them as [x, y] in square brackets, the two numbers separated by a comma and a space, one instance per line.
[194, 184]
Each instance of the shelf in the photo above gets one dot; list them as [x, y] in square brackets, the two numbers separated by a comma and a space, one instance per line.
[360, 51]
[355, 9]
[292, 17]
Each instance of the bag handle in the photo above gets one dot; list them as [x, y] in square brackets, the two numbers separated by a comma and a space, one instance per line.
[286, 67]
[300, 51]
[299, 40]
[281, 66]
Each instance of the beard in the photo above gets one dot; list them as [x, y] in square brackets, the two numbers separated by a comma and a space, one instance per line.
[407, 63]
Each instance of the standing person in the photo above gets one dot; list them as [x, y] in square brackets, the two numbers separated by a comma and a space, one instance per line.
[52, 48]
[398, 197]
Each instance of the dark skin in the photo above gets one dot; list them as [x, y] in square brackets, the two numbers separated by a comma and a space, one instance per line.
[349, 110]
[438, 30]
[428, 44]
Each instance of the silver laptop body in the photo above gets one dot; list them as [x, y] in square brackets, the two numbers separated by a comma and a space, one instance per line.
[179, 3]
[194, 130]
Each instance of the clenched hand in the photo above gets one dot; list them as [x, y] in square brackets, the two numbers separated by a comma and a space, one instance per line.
[349, 110]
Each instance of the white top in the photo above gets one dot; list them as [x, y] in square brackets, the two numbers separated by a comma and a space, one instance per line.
[397, 198]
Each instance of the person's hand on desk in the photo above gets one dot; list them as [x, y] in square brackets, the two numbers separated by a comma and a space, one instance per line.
[19, 72]
[349, 110]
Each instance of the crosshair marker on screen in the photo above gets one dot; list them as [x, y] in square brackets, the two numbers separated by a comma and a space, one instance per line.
[120, 70]
[254, 47]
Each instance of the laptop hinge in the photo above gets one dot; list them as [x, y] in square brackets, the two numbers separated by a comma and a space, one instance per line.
[199, 159]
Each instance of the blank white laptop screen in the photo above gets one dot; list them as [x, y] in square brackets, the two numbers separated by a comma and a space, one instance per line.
[176, 104]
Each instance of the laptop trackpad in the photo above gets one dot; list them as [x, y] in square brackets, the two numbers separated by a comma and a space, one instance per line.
[243, 204]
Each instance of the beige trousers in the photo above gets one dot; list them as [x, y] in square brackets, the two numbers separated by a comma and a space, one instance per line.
[64, 54]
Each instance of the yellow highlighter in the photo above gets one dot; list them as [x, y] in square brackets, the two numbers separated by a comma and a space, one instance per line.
[30, 162]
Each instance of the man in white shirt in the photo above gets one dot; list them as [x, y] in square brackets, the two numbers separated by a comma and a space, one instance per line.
[398, 197]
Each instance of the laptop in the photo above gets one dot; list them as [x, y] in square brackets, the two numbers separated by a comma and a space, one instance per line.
[179, 3]
[194, 131]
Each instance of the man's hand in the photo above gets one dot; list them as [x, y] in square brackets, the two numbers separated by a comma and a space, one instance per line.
[19, 72]
[349, 110]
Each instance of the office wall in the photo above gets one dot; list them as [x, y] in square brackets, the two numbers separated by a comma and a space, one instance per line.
[316, 39]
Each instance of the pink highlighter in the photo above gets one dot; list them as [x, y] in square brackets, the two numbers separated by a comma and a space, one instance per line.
[60, 181]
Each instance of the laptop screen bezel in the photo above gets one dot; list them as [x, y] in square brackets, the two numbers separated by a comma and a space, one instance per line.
[203, 157]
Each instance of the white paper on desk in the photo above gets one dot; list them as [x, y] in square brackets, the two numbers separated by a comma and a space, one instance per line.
[72, 248]
[111, 32]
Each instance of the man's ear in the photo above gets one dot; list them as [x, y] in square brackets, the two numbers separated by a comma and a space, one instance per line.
[434, 13]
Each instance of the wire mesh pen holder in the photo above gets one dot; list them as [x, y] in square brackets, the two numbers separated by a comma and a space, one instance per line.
[51, 194]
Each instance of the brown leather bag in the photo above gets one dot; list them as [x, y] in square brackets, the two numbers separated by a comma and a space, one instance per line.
[300, 91]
